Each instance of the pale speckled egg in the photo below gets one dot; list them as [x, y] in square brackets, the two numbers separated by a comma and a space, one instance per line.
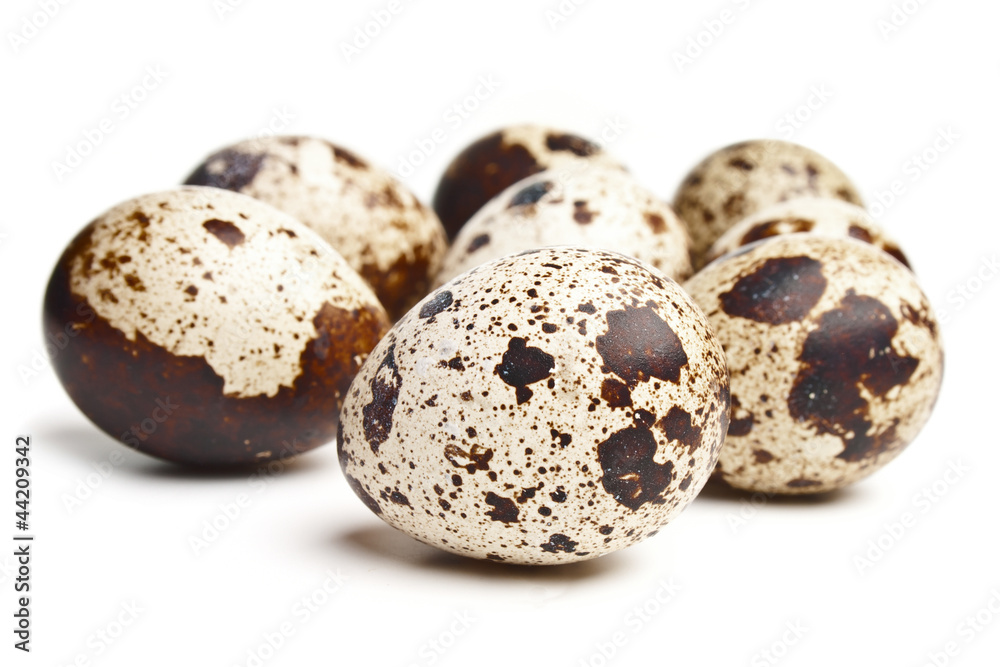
[600, 208]
[835, 357]
[741, 179]
[824, 217]
[382, 230]
[493, 163]
[544, 408]
[208, 328]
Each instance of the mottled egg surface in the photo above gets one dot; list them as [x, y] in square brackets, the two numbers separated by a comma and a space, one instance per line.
[208, 328]
[545, 408]
[835, 357]
[377, 224]
[824, 217]
[741, 179]
[599, 208]
[492, 164]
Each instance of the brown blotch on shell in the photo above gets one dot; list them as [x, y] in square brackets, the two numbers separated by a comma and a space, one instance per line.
[631, 475]
[575, 144]
[581, 213]
[656, 222]
[225, 231]
[616, 394]
[522, 365]
[677, 425]
[559, 542]
[238, 170]
[640, 345]
[378, 413]
[779, 291]
[850, 349]
[504, 509]
[477, 458]
[771, 228]
[440, 302]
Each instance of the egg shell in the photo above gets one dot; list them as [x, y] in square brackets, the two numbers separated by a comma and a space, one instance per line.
[835, 357]
[208, 328]
[493, 163]
[741, 179]
[544, 408]
[823, 217]
[382, 230]
[598, 208]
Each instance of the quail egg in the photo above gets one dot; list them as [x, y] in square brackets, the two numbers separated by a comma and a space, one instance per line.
[547, 407]
[207, 328]
[835, 356]
[381, 228]
[741, 179]
[599, 208]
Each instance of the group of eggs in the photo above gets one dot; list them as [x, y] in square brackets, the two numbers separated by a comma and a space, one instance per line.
[557, 384]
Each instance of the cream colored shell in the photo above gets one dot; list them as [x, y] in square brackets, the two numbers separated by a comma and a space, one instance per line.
[372, 219]
[477, 423]
[840, 380]
[250, 317]
[594, 208]
[741, 179]
[824, 217]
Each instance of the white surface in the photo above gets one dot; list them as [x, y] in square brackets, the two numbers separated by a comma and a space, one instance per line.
[740, 584]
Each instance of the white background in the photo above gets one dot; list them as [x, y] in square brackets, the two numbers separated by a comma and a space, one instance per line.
[743, 573]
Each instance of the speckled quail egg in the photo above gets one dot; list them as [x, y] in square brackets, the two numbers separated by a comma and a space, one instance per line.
[824, 217]
[208, 328]
[381, 228]
[835, 357]
[599, 208]
[544, 408]
[495, 162]
[741, 179]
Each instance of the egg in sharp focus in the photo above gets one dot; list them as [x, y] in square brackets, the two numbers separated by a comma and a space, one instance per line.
[548, 407]
[739, 180]
[813, 215]
[204, 327]
[493, 163]
[835, 356]
[596, 208]
[382, 230]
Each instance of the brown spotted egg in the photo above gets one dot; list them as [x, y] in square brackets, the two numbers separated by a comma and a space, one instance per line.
[823, 217]
[741, 179]
[835, 357]
[544, 408]
[598, 208]
[380, 227]
[205, 327]
[495, 162]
